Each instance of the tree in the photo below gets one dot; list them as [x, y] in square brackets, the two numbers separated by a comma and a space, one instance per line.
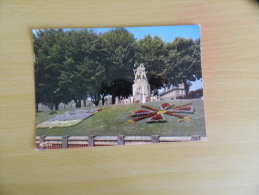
[78, 47]
[120, 62]
[95, 80]
[49, 62]
[105, 90]
[87, 51]
[151, 52]
[80, 64]
[184, 63]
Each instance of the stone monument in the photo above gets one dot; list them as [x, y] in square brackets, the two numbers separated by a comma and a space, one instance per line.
[141, 87]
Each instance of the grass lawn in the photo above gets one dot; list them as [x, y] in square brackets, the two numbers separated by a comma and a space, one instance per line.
[110, 121]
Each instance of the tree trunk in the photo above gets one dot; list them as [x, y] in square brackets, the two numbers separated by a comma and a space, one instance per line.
[84, 102]
[95, 101]
[51, 106]
[37, 107]
[75, 102]
[56, 105]
[186, 88]
[113, 99]
[78, 104]
[52, 103]
[103, 101]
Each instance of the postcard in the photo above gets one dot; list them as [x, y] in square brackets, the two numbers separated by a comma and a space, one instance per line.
[118, 86]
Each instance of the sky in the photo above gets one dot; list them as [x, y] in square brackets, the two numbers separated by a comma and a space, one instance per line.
[167, 33]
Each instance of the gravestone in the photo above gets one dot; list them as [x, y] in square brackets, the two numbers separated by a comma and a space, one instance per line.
[141, 87]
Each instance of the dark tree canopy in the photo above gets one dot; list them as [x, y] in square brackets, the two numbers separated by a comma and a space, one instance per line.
[183, 63]
[121, 45]
[50, 49]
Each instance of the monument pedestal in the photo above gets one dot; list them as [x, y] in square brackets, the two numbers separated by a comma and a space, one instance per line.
[141, 90]
[141, 87]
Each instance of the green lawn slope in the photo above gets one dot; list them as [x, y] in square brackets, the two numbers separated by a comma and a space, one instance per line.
[110, 121]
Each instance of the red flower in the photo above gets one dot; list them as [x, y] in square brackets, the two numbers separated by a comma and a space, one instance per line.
[157, 117]
[165, 105]
[140, 111]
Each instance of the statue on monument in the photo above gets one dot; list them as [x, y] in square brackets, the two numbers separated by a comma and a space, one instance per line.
[140, 88]
[140, 72]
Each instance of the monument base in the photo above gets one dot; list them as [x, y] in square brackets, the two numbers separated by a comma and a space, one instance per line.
[141, 90]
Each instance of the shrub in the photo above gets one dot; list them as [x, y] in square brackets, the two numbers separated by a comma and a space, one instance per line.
[192, 95]
[181, 97]
[195, 94]
[53, 112]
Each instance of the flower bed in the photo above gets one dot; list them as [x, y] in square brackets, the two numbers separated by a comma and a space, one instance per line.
[165, 106]
[52, 124]
[159, 118]
[68, 119]
[140, 112]
[156, 115]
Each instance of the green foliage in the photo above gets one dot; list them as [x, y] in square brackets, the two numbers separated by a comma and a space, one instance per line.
[49, 47]
[195, 94]
[120, 62]
[183, 62]
[80, 64]
[151, 52]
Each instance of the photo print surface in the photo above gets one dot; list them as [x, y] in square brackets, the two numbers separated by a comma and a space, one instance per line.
[118, 86]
